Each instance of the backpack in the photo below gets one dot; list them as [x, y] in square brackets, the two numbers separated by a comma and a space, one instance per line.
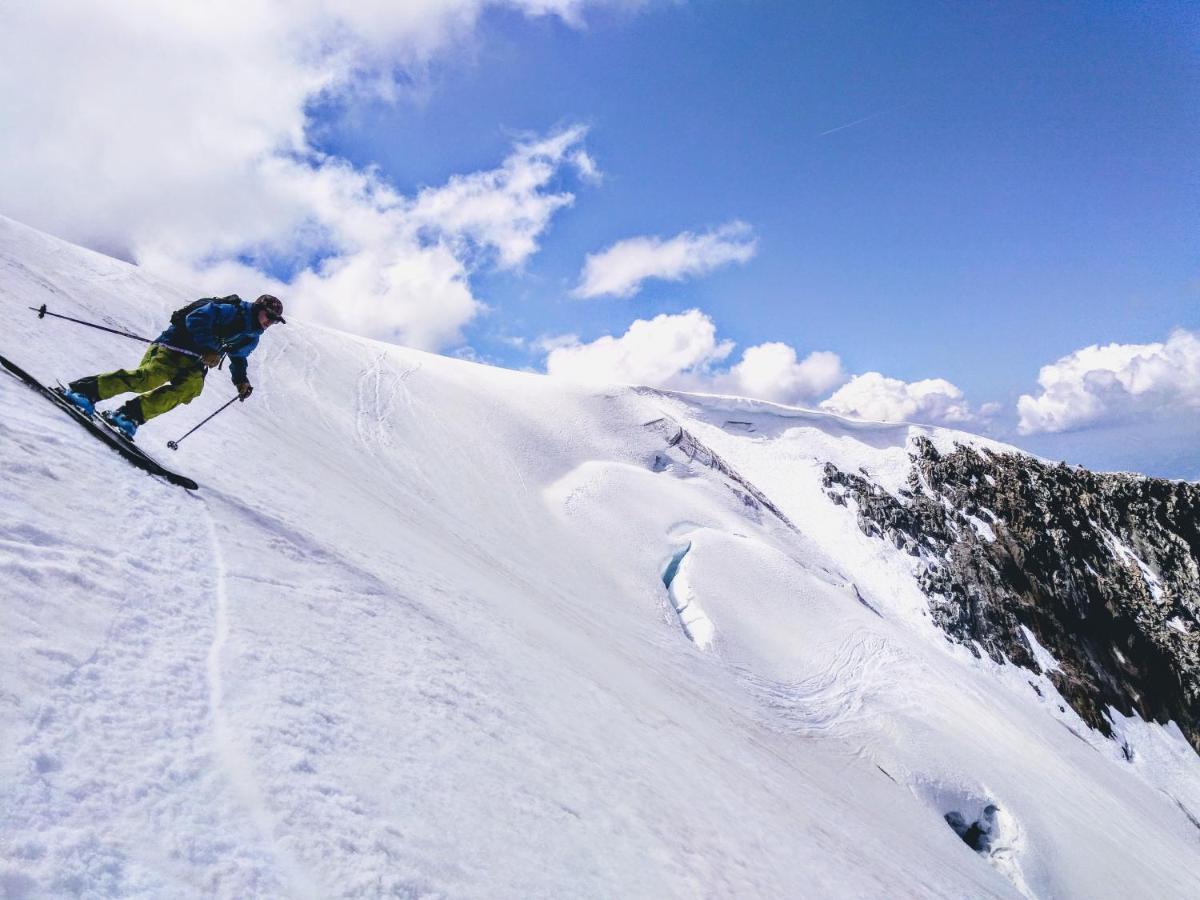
[180, 315]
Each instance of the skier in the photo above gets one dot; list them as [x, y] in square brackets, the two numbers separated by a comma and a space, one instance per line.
[211, 328]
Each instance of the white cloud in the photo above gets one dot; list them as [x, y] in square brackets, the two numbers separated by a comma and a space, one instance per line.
[176, 135]
[392, 267]
[878, 398]
[668, 350]
[1098, 385]
[586, 166]
[682, 352]
[620, 269]
[505, 209]
[773, 372]
[549, 342]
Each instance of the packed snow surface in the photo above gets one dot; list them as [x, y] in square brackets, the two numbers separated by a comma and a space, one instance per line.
[431, 628]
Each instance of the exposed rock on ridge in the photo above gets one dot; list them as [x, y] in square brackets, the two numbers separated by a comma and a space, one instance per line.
[1103, 570]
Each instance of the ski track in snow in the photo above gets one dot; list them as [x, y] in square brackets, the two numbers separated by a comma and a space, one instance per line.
[371, 409]
[237, 764]
[111, 787]
[377, 391]
[118, 751]
[835, 697]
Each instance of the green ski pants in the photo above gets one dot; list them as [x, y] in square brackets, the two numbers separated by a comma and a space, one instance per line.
[164, 378]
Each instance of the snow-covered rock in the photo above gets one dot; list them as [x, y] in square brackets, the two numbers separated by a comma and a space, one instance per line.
[1063, 572]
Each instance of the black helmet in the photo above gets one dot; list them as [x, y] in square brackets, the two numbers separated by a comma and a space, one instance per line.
[272, 307]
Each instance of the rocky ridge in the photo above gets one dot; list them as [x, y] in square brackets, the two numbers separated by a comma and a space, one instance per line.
[1020, 557]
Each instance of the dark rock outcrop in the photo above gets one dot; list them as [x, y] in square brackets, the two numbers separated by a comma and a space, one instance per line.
[1102, 569]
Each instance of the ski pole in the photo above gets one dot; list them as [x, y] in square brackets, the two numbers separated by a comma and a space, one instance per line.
[42, 313]
[174, 445]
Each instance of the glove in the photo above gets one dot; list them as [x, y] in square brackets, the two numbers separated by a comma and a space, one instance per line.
[210, 358]
[244, 390]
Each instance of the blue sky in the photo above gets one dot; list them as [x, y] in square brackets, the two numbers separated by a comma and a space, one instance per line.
[1027, 187]
[949, 196]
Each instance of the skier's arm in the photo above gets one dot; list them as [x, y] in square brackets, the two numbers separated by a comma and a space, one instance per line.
[237, 368]
[238, 361]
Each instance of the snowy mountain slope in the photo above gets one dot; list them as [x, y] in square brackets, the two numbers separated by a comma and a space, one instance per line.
[1104, 568]
[433, 628]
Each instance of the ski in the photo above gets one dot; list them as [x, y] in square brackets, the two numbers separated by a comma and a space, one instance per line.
[102, 430]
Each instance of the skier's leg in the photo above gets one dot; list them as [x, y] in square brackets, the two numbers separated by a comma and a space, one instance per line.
[184, 387]
[156, 367]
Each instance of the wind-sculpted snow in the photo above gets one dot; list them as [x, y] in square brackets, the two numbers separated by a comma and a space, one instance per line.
[413, 637]
[683, 442]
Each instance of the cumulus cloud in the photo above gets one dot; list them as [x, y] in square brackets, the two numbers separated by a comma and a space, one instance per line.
[668, 350]
[683, 352]
[390, 266]
[506, 209]
[178, 137]
[773, 372]
[620, 270]
[875, 397]
[1099, 385]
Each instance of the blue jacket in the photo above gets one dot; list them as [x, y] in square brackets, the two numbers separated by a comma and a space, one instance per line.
[227, 328]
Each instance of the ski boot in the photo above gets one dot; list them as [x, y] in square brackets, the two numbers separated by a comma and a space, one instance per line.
[80, 400]
[120, 421]
[83, 393]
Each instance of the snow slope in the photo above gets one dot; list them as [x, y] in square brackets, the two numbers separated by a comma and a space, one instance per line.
[431, 628]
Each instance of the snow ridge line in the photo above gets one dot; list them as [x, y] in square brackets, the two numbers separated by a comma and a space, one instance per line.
[236, 763]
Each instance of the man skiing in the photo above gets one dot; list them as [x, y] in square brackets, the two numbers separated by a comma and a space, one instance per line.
[210, 328]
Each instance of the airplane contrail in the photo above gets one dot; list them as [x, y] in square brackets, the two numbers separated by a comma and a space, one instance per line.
[860, 121]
